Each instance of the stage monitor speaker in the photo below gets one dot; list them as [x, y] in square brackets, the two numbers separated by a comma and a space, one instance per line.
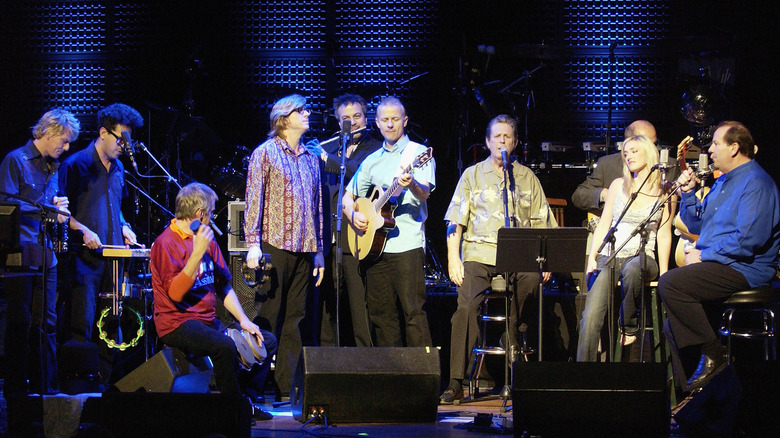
[170, 370]
[712, 411]
[171, 415]
[590, 399]
[367, 384]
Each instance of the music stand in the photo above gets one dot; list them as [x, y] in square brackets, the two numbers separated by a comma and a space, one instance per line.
[542, 250]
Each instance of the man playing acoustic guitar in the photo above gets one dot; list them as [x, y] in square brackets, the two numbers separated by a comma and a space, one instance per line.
[399, 266]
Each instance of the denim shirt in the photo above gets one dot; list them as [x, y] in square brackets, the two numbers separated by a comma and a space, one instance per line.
[25, 172]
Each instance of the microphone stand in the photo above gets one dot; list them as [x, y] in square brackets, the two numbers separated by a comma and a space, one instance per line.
[640, 229]
[346, 138]
[142, 147]
[610, 263]
[44, 241]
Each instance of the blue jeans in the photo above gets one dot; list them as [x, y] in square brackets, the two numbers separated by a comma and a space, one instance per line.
[597, 302]
[24, 351]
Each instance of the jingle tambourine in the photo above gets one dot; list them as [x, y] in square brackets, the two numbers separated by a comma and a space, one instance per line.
[250, 352]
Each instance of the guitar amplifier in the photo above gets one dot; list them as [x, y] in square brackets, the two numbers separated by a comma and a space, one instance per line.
[236, 238]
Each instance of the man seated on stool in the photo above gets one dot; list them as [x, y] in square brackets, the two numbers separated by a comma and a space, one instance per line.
[474, 216]
[738, 224]
[188, 271]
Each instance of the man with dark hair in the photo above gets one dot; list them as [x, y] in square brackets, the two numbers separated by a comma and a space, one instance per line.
[397, 274]
[352, 108]
[738, 224]
[30, 172]
[93, 178]
[473, 218]
[284, 215]
[188, 273]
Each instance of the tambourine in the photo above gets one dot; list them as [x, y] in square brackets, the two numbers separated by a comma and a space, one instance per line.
[250, 352]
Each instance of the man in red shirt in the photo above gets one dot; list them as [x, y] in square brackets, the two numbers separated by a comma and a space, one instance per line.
[188, 272]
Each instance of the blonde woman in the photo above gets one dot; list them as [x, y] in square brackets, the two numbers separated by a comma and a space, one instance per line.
[639, 157]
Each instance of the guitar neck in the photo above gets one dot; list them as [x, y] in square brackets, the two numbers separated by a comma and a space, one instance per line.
[390, 190]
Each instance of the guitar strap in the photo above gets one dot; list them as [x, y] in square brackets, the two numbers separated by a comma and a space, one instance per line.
[407, 157]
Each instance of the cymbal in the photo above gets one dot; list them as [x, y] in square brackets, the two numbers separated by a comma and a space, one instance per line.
[541, 51]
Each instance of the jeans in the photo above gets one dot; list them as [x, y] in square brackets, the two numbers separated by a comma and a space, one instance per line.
[597, 302]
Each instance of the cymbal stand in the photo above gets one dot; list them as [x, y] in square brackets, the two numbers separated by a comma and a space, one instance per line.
[530, 102]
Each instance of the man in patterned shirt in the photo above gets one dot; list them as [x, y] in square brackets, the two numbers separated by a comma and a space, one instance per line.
[284, 215]
[474, 216]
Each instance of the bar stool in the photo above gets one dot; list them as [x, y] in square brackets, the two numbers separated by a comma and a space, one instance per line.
[657, 315]
[742, 305]
[498, 290]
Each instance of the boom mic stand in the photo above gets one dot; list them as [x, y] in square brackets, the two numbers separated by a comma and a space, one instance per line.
[642, 231]
[611, 263]
[346, 139]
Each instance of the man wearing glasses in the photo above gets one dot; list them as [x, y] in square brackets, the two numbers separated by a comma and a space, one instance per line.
[284, 219]
[93, 180]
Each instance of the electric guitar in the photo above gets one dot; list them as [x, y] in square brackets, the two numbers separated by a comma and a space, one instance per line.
[379, 215]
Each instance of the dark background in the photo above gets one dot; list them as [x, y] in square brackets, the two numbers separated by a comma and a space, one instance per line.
[204, 75]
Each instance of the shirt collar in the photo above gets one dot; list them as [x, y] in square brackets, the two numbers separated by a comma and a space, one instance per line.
[399, 145]
[177, 229]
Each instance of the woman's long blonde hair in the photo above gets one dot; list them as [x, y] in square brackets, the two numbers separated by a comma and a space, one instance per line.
[653, 185]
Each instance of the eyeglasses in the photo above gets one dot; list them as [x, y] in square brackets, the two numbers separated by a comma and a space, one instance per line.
[302, 109]
[118, 139]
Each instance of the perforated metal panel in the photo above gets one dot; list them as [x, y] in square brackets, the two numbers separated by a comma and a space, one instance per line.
[386, 25]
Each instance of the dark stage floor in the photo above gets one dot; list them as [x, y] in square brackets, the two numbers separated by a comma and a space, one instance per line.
[451, 421]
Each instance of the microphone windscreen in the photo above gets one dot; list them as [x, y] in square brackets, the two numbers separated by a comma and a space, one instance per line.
[346, 126]
[126, 139]
[194, 225]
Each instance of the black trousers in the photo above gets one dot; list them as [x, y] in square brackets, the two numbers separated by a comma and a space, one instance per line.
[401, 276]
[684, 292]
[465, 320]
[353, 289]
[282, 306]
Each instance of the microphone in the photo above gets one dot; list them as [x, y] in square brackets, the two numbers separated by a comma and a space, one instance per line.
[503, 157]
[128, 146]
[702, 168]
[346, 134]
[194, 225]
[663, 163]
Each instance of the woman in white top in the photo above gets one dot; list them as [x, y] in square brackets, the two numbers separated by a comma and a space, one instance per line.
[639, 157]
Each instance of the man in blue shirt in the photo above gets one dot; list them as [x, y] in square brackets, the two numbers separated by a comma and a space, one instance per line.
[738, 224]
[93, 179]
[30, 339]
[399, 269]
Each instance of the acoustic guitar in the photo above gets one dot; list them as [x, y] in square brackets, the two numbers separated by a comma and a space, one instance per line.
[379, 214]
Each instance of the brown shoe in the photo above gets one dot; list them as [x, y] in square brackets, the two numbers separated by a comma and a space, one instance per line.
[450, 395]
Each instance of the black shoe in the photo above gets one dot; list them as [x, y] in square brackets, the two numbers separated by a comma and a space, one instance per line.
[707, 369]
[450, 395]
[261, 415]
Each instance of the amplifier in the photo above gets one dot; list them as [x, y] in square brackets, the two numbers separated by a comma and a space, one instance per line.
[236, 238]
